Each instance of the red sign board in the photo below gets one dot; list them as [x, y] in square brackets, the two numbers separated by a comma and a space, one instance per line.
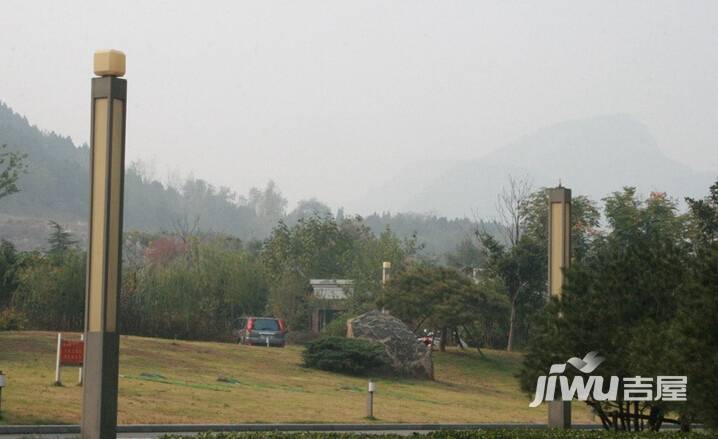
[72, 352]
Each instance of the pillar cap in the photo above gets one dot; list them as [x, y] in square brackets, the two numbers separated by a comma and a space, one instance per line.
[559, 194]
[109, 62]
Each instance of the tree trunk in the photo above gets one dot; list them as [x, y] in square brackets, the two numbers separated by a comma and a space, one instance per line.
[622, 415]
[475, 340]
[457, 338]
[443, 340]
[685, 424]
[654, 421]
[512, 323]
[601, 413]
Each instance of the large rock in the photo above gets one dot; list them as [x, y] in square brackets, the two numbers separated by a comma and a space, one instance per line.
[407, 355]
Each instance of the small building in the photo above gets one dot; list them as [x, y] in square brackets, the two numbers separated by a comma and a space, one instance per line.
[329, 299]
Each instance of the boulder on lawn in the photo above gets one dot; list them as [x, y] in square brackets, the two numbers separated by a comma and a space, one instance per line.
[407, 355]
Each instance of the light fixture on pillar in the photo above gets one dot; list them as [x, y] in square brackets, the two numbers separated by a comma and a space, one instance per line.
[559, 260]
[385, 272]
[107, 169]
[385, 275]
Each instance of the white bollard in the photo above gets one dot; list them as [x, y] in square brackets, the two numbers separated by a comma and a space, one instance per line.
[57, 361]
[79, 374]
[2, 384]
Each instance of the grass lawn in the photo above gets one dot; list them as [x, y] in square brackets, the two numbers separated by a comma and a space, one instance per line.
[166, 381]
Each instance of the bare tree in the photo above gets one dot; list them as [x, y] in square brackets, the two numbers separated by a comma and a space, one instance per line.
[511, 212]
[510, 207]
[184, 229]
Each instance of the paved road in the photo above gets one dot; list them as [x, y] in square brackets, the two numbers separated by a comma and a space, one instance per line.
[159, 434]
[154, 431]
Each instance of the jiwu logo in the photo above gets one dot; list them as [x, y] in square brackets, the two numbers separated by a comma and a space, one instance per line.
[667, 388]
[579, 388]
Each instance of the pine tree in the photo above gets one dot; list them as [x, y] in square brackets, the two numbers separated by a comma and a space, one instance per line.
[12, 166]
[60, 240]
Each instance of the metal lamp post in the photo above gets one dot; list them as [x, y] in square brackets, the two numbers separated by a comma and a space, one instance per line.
[107, 169]
[370, 400]
[385, 272]
[559, 259]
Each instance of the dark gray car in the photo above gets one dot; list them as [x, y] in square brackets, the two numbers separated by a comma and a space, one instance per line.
[261, 331]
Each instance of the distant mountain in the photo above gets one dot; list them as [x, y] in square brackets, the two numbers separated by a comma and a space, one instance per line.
[593, 156]
[57, 181]
[56, 187]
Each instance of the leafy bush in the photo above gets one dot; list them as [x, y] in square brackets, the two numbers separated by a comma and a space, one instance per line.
[51, 291]
[345, 355]
[337, 327]
[191, 291]
[12, 320]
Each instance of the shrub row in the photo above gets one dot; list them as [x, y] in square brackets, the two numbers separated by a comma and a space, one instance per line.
[345, 355]
[451, 434]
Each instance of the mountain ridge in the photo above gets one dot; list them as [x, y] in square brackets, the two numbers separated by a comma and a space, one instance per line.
[594, 156]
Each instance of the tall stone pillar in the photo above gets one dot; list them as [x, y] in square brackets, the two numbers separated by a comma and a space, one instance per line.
[559, 260]
[104, 254]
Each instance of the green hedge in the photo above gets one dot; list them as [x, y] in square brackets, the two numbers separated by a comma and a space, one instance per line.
[345, 355]
[449, 434]
[337, 327]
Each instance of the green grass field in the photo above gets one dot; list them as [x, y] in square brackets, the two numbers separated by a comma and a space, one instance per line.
[166, 381]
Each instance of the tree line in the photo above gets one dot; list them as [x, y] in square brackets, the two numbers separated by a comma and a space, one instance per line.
[642, 290]
[645, 295]
[193, 284]
[494, 284]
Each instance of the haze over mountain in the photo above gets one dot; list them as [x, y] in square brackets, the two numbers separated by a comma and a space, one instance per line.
[239, 91]
[593, 156]
[56, 188]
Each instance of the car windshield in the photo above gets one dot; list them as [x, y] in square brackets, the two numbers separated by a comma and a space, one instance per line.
[266, 325]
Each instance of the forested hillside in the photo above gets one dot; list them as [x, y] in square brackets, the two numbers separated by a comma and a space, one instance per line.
[57, 179]
[56, 188]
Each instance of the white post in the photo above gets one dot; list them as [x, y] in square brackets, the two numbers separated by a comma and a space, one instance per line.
[2, 384]
[79, 374]
[57, 361]
[370, 400]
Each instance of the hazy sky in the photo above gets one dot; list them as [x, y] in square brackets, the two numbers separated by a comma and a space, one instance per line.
[328, 98]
